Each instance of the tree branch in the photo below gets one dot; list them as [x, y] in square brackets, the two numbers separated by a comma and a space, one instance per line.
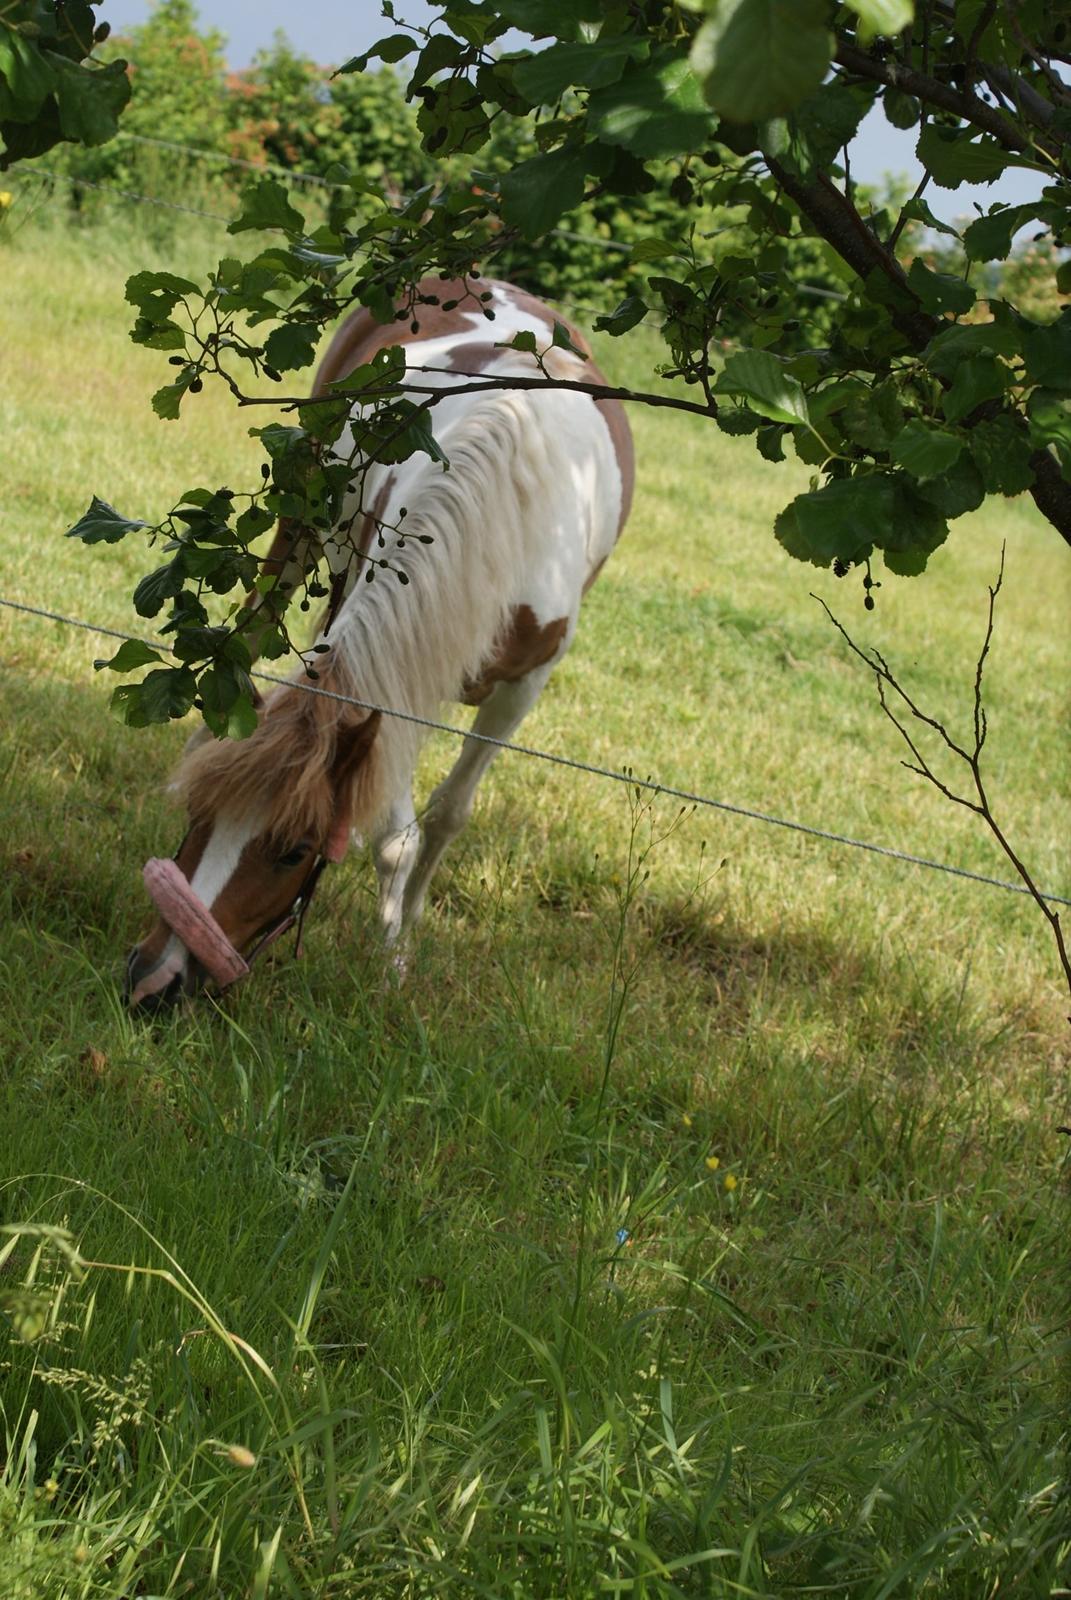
[477, 384]
[961, 102]
[838, 222]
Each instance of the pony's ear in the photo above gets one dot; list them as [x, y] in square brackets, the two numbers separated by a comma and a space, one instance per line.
[352, 746]
[353, 742]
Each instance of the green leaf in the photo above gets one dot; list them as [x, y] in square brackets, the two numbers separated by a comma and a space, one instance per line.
[977, 379]
[130, 654]
[525, 341]
[924, 451]
[265, 204]
[415, 435]
[164, 335]
[167, 693]
[292, 345]
[839, 521]
[990, 237]
[760, 58]
[562, 339]
[543, 17]
[395, 47]
[917, 530]
[901, 109]
[90, 99]
[847, 518]
[1001, 452]
[945, 352]
[27, 75]
[940, 291]
[652, 250]
[166, 402]
[156, 587]
[102, 524]
[539, 191]
[242, 718]
[655, 110]
[1047, 353]
[881, 16]
[544, 78]
[156, 294]
[828, 121]
[770, 442]
[873, 417]
[954, 157]
[386, 368]
[917, 210]
[631, 311]
[768, 388]
[956, 491]
[1050, 424]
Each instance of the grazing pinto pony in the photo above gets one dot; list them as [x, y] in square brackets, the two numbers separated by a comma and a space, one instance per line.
[538, 488]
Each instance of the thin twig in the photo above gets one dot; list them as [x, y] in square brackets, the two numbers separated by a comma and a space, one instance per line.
[885, 680]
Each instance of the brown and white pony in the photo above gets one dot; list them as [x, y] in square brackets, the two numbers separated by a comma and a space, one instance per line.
[538, 489]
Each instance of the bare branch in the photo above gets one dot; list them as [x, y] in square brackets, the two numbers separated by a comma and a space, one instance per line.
[885, 679]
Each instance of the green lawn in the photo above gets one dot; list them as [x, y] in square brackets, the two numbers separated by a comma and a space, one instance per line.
[692, 1222]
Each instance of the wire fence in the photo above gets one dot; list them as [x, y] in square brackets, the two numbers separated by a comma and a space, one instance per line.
[622, 775]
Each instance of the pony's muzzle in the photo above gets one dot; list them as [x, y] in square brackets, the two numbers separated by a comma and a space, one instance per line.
[154, 986]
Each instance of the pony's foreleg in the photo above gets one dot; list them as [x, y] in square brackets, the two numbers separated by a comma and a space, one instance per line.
[450, 805]
[395, 848]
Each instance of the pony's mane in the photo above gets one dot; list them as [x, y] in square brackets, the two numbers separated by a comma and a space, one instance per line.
[283, 772]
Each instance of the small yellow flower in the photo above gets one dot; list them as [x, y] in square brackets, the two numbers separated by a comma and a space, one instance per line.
[730, 1182]
[241, 1456]
[6, 197]
[713, 1163]
[686, 1119]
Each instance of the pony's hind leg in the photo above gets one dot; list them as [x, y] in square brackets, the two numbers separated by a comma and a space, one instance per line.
[450, 805]
[395, 848]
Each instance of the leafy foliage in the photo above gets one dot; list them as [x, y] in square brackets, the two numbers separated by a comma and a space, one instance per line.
[709, 140]
[52, 87]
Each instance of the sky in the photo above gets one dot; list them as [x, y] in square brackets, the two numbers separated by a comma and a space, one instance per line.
[331, 30]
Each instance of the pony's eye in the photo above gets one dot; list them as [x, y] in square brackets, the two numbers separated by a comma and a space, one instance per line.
[294, 857]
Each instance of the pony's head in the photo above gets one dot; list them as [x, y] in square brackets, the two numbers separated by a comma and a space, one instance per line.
[264, 816]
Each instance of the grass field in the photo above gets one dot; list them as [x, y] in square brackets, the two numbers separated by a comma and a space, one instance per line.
[692, 1222]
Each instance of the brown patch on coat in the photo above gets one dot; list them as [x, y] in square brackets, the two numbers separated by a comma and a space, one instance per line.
[526, 644]
[359, 337]
[475, 356]
[617, 423]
